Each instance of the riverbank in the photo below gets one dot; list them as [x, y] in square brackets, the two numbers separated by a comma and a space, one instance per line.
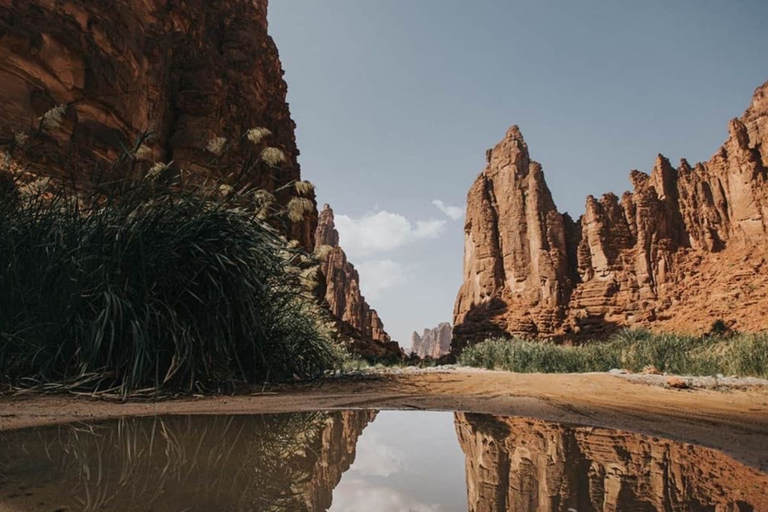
[734, 421]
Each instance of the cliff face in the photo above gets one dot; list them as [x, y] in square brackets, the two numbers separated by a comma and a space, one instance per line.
[343, 296]
[685, 247]
[335, 453]
[198, 74]
[518, 464]
[433, 343]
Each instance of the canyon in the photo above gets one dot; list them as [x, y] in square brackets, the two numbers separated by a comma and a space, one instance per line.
[432, 343]
[685, 248]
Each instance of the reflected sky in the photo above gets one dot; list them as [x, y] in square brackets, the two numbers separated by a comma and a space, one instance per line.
[405, 461]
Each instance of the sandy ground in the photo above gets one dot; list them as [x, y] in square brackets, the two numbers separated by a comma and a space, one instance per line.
[734, 421]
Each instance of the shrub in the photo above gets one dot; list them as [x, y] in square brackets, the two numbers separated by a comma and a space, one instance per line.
[173, 292]
[634, 350]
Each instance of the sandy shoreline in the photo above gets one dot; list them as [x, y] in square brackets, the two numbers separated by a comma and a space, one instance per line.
[735, 422]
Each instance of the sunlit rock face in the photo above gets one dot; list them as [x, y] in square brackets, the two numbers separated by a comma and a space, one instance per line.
[688, 245]
[274, 462]
[192, 72]
[521, 465]
[342, 294]
[432, 343]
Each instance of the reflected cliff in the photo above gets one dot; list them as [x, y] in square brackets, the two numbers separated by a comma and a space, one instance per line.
[521, 465]
[288, 462]
[347, 462]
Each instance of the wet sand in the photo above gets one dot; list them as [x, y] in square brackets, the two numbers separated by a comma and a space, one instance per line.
[734, 421]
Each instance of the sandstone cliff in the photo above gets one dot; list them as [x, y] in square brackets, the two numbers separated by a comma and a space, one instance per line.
[432, 343]
[344, 298]
[520, 465]
[686, 247]
[81, 80]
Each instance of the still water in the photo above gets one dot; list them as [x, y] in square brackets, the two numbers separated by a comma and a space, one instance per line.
[355, 461]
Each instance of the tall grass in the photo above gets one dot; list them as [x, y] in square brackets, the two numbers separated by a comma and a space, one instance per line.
[169, 292]
[634, 350]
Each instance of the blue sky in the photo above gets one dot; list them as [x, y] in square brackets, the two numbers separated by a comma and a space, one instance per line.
[396, 102]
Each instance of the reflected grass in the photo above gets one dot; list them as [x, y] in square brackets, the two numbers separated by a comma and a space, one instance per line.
[177, 463]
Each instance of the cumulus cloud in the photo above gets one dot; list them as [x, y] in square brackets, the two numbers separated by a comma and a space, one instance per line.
[380, 275]
[453, 212]
[383, 231]
[354, 495]
[376, 458]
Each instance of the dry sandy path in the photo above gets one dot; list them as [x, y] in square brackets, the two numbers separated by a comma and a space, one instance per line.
[735, 422]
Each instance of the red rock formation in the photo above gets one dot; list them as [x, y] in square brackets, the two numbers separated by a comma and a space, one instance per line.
[520, 465]
[343, 296]
[192, 71]
[686, 247]
[433, 343]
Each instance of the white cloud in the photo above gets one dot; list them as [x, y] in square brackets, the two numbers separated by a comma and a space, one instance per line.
[375, 458]
[383, 231]
[354, 495]
[379, 275]
[453, 212]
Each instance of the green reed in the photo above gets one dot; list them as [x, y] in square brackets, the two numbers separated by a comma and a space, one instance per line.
[634, 350]
[171, 291]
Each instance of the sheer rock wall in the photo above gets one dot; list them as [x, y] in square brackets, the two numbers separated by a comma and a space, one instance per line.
[686, 247]
[189, 71]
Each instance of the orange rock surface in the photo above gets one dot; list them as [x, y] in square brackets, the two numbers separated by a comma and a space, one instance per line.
[191, 72]
[343, 296]
[686, 247]
[520, 464]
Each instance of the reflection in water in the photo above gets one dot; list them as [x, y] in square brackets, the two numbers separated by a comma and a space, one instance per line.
[525, 465]
[237, 463]
[404, 461]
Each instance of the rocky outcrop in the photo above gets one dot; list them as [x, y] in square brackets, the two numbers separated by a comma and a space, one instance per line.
[520, 465]
[81, 80]
[685, 247]
[342, 294]
[433, 343]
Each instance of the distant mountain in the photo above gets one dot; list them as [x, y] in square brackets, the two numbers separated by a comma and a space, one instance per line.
[433, 342]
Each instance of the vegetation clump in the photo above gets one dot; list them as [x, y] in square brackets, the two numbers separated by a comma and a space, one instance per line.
[173, 291]
[633, 350]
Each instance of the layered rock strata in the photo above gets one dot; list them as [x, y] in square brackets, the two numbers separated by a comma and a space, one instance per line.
[357, 319]
[82, 80]
[686, 247]
[433, 343]
[520, 465]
